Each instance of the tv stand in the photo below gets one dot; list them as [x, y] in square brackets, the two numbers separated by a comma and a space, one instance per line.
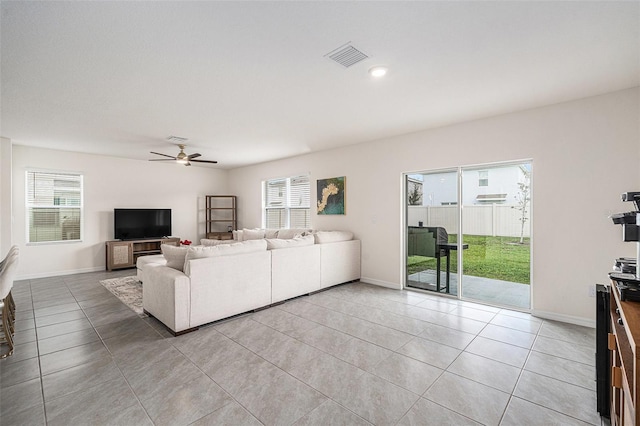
[123, 254]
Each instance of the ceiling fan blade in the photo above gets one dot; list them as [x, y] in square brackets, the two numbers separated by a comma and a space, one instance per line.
[163, 159]
[187, 164]
[164, 155]
[196, 155]
[205, 161]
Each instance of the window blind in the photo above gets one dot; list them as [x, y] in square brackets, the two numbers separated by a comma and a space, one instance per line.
[54, 206]
[287, 202]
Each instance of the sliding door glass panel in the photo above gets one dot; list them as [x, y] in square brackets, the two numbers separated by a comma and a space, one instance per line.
[432, 231]
[496, 207]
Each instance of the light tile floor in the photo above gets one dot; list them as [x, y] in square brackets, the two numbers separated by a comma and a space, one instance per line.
[498, 292]
[356, 354]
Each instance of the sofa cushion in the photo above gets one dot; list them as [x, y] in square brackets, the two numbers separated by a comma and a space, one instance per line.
[208, 242]
[175, 256]
[286, 234]
[277, 243]
[237, 236]
[252, 234]
[226, 249]
[271, 233]
[322, 237]
[200, 252]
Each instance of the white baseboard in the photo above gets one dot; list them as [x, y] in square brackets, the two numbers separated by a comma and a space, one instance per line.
[380, 283]
[59, 273]
[586, 322]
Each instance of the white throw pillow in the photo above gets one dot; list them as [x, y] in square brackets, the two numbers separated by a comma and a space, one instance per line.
[277, 243]
[322, 237]
[252, 234]
[175, 256]
[207, 242]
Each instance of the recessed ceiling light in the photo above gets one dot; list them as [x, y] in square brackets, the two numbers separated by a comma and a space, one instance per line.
[378, 71]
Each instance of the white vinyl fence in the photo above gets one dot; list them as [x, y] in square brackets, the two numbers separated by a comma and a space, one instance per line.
[492, 219]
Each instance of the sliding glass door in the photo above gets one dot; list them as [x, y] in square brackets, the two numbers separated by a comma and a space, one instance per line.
[490, 260]
[432, 231]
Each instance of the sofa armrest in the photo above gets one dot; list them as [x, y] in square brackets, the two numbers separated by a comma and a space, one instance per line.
[166, 296]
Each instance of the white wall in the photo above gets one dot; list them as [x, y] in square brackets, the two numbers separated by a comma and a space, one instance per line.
[585, 153]
[109, 183]
[5, 196]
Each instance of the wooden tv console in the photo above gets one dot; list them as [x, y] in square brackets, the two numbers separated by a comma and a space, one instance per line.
[124, 254]
[624, 341]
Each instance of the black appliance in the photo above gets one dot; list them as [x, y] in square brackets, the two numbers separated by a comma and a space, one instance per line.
[626, 265]
[630, 222]
[603, 355]
[132, 224]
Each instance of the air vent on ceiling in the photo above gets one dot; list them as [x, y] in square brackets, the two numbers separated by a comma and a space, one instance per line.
[176, 139]
[347, 55]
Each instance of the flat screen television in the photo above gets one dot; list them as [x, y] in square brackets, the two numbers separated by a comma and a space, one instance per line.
[132, 224]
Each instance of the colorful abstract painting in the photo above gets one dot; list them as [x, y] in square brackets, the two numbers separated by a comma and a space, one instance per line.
[331, 198]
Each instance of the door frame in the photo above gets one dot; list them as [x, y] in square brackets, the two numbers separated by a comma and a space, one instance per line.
[459, 171]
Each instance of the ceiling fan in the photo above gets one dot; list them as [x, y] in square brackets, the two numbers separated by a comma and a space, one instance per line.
[182, 157]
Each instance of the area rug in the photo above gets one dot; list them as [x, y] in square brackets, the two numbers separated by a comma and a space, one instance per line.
[128, 290]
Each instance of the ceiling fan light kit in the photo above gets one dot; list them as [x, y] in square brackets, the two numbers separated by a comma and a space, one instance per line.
[182, 157]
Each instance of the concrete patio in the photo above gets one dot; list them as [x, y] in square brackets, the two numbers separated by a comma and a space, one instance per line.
[495, 292]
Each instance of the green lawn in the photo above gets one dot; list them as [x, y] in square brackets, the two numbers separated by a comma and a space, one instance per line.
[501, 258]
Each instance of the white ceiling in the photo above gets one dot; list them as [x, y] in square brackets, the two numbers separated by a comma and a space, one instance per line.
[249, 82]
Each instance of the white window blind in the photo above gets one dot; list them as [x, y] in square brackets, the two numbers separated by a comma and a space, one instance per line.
[287, 203]
[54, 206]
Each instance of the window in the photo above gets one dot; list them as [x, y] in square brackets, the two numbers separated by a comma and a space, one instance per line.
[483, 178]
[54, 206]
[287, 202]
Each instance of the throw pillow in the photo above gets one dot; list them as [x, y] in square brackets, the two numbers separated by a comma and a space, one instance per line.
[277, 243]
[323, 237]
[237, 235]
[252, 234]
[175, 256]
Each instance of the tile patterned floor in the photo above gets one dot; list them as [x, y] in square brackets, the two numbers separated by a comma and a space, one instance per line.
[356, 354]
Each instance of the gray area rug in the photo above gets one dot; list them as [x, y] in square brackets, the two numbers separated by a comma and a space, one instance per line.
[129, 290]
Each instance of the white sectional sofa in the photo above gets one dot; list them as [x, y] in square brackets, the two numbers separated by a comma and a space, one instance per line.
[228, 279]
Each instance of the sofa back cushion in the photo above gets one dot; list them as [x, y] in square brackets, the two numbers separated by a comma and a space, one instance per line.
[223, 250]
[287, 234]
[207, 242]
[252, 234]
[277, 243]
[271, 233]
[322, 237]
[175, 256]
